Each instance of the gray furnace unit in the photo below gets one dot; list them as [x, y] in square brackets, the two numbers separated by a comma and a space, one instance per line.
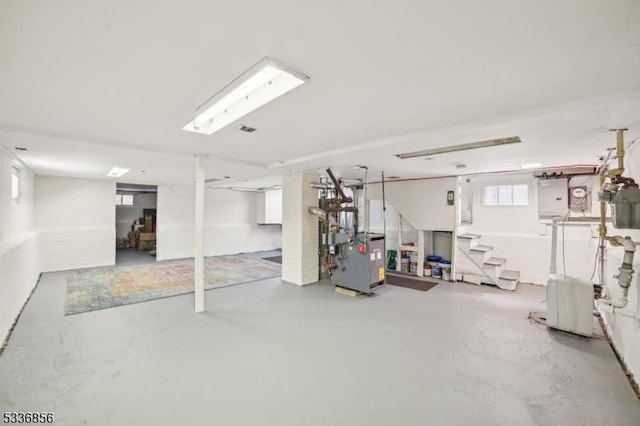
[353, 257]
[360, 266]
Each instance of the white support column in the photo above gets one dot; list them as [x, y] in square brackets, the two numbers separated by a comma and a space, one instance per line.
[199, 234]
[420, 271]
[299, 229]
[399, 256]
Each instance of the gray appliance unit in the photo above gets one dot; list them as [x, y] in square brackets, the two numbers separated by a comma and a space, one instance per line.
[361, 270]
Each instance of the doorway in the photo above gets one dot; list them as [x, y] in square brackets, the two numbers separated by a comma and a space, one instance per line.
[136, 212]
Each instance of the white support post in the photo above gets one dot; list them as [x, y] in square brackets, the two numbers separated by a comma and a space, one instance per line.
[198, 252]
[399, 256]
[420, 271]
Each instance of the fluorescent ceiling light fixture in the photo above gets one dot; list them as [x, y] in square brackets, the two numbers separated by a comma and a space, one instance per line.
[530, 165]
[463, 147]
[117, 172]
[259, 85]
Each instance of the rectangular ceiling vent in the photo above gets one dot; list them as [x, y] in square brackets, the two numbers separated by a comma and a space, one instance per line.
[247, 129]
[462, 147]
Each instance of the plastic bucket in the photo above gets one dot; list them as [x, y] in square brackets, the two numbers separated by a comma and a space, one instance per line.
[433, 260]
[437, 272]
[427, 270]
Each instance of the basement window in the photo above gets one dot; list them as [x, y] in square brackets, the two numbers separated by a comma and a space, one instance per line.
[506, 195]
[124, 200]
[15, 184]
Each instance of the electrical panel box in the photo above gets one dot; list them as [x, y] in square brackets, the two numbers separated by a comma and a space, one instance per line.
[580, 199]
[552, 197]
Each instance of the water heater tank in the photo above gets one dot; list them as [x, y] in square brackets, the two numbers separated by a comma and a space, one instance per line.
[625, 209]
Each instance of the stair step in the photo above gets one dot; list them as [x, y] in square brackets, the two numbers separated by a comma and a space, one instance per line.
[469, 236]
[510, 275]
[482, 249]
[472, 278]
[496, 261]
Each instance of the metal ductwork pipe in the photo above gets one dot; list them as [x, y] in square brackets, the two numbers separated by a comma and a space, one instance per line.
[317, 211]
[343, 196]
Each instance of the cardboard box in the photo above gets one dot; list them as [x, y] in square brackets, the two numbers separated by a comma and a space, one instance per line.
[148, 223]
[122, 244]
[147, 236]
[133, 241]
[147, 241]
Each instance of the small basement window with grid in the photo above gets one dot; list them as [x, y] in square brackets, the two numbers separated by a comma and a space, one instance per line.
[506, 195]
[124, 200]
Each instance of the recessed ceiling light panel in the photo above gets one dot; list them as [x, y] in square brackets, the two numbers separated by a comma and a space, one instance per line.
[530, 165]
[117, 172]
[462, 147]
[259, 85]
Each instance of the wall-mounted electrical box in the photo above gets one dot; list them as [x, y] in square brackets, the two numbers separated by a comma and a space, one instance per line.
[552, 197]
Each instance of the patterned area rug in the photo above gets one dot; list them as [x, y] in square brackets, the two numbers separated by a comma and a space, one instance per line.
[92, 289]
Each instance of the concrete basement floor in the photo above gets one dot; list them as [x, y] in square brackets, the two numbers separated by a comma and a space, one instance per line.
[273, 353]
[133, 256]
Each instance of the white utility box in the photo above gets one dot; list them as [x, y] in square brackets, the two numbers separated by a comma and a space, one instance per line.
[570, 304]
[553, 197]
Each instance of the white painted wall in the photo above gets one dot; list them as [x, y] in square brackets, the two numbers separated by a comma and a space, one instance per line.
[18, 243]
[269, 207]
[230, 223]
[625, 332]
[126, 215]
[516, 234]
[76, 220]
[376, 224]
[422, 202]
[424, 208]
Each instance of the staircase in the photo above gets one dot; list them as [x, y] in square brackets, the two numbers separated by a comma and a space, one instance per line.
[476, 265]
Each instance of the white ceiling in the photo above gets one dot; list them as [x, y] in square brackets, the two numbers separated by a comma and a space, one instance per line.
[87, 86]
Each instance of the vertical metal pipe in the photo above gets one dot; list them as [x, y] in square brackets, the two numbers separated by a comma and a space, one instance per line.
[366, 206]
[554, 245]
[602, 229]
[620, 149]
[384, 211]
